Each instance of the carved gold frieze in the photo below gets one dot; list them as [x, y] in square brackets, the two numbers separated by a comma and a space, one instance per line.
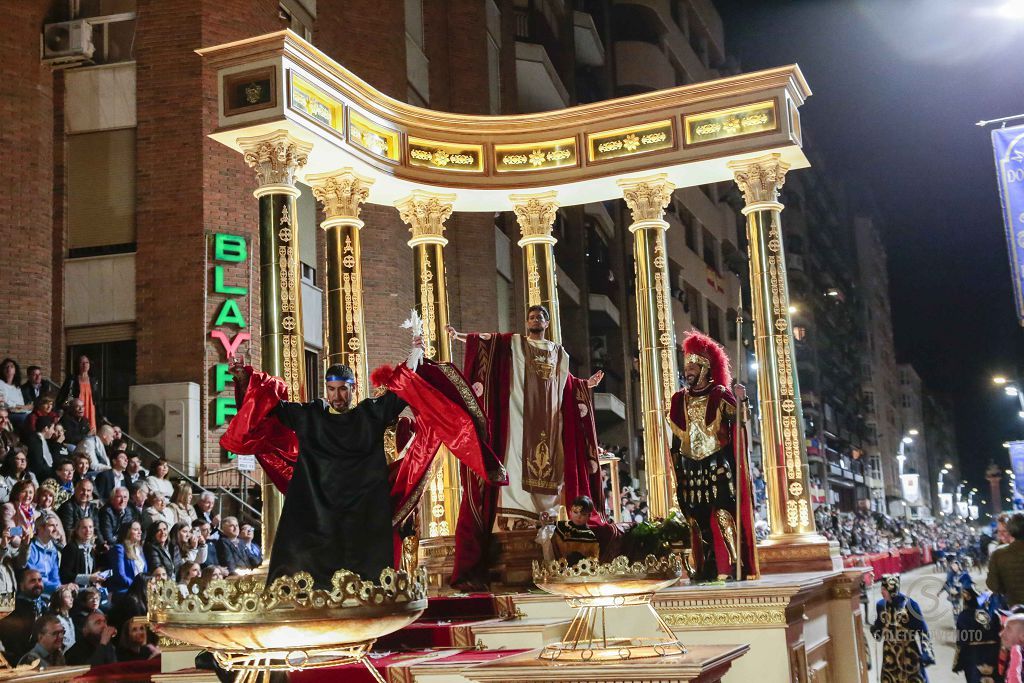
[635, 140]
[537, 156]
[747, 119]
[373, 137]
[313, 103]
[445, 156]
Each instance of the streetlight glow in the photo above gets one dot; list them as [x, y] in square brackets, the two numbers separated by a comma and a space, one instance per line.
[913, 432]
[792, 310]
[948, 466]
[999, 379]
[907, 439]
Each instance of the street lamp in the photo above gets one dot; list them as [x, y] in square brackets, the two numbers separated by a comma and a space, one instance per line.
[1012, 389]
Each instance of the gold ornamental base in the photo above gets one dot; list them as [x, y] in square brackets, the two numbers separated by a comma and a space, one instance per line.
[587, 639]
[255, 629]
[592, 588]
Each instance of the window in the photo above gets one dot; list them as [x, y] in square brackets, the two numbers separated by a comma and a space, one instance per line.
[295, 16]
[101, 192]
[494, 56]
[307, 210]
[417, 67]
[714, 321]
[710, 250]
[313, 375]
[503, 262]
[113, 364]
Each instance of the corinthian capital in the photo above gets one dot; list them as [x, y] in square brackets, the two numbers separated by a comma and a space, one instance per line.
[276, 156]
[342, 193]
[426, 212]
[760, 179]
[647, 197]
[536, 215]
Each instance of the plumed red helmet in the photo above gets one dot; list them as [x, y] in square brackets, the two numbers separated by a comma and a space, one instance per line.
[704, 346]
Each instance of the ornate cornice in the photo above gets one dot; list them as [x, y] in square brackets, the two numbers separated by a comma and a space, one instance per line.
[426, 212]
[536, 215]
[276, 156]
[647, 197]
[341, 193]
[760, 179]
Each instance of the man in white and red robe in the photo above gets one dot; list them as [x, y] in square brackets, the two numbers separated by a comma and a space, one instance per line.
[541, 427]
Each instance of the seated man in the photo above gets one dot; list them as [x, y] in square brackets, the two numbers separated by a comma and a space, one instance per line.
[48, 632]
[574, 540]
[29, 605]
[94, 647]
[116, 514]
[76, 424]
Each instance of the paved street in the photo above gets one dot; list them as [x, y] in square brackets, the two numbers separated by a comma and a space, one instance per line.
[925, 586]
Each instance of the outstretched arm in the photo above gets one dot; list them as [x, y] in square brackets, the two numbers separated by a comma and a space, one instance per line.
[455, 334]
[595, 379]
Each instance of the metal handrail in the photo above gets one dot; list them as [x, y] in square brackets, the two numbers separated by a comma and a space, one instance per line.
[195, 483]
[235, 468]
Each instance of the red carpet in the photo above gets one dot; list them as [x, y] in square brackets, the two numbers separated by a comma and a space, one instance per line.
[447, 622]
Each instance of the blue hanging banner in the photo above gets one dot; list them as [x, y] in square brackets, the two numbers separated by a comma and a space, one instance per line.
[1017, 466]
[1008, 144]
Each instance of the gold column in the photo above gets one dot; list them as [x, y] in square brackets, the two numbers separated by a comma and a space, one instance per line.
[426, 212]
[536, 215]
[342, 194]
[784, 451]
[276, 158]
[647, 199]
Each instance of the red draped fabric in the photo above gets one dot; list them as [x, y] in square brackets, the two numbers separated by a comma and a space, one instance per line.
[254, 430]
[488, 368]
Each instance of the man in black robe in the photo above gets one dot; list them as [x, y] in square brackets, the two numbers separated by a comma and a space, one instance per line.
[337, 512]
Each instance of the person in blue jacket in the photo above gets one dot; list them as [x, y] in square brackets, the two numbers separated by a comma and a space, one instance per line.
[900, 626]
[126, 559]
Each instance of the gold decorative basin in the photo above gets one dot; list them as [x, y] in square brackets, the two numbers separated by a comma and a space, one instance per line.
[256, 628]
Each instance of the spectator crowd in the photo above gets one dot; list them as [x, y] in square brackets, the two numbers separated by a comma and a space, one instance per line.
[84, 527]
[864, 532]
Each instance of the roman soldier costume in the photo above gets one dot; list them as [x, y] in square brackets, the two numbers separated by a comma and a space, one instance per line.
[712, 472]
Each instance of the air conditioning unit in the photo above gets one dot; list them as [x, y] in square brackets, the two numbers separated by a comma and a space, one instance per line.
[67, 42]
[165, 418]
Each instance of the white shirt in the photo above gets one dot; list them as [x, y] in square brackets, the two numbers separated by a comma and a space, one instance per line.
[161, 486]
[93, 447]
[11, 395]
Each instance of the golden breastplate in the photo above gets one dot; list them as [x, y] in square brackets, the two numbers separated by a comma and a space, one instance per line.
[702, 437]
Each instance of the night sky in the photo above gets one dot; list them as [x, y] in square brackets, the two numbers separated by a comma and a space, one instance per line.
[898, 86]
